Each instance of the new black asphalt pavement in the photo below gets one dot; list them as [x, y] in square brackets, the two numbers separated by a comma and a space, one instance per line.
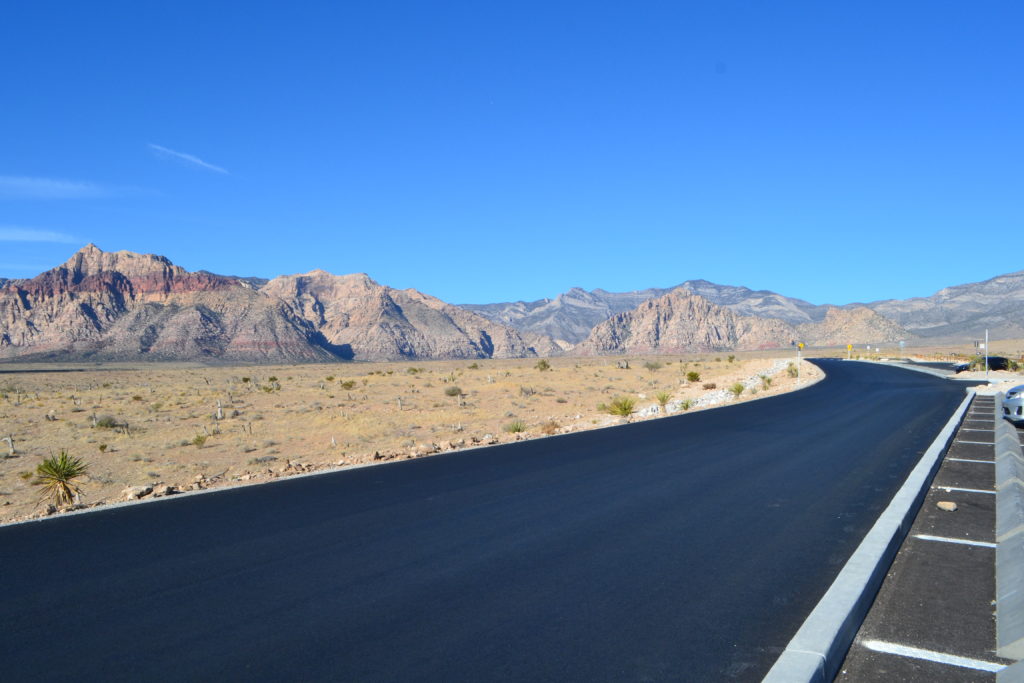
[685, 548]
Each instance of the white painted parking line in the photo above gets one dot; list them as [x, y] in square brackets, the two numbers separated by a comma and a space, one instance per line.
[966, 429]
[958, 541]
[977, 443]
[957, 488]
[987, 462]
[932, 656]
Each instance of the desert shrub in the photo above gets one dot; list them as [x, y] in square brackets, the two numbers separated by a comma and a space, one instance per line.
[766, 381]
[732, 358]
[199, 440]
[686, 404]
[246, 380]
[106, 422]
[663, 397]
[692, 376]
[620, 405]
[329, 378]
[792, 370]
[543, 365]
[527, 391]
[102, 447]
[710, 385]
[474, 366]
[736, 389]
[561, 400]
[653, 366]
[136, 397]
[56, 476]
[515, 427]
[348, 384]
[452, 391]
[550, 427]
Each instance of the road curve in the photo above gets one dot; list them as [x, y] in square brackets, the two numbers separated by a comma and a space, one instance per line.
[686, 548]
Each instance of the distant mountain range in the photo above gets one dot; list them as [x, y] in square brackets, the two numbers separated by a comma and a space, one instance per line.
[572, 315]
[128, 306]
[952, 314]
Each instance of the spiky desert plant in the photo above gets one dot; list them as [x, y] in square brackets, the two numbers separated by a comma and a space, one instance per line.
[515, 427]
[543, 365]
[622, 406]
[766, 381]
[56, 476]
[663, 398]
[686, 404]
[736, 389]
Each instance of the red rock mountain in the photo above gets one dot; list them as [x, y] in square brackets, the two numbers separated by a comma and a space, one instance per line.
[128, 306]
[358, 318]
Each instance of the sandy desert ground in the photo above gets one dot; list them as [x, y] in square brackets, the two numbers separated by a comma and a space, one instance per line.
[152, 430]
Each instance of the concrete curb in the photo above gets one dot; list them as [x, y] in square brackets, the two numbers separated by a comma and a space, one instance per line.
[818, 648]
[1010, 539]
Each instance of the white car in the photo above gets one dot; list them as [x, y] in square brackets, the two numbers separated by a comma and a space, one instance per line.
[1013, 404]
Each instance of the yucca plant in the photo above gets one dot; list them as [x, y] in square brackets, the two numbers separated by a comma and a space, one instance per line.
[736, 389]
[56, 476]
[663, 397]
[515, 427]
[620, 405]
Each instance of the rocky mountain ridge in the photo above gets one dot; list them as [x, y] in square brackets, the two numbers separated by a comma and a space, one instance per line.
[571, 316]
[683, 322]
[127, 306]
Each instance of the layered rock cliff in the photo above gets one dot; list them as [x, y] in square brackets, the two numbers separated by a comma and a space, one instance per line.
[360, 319]
[124, 306]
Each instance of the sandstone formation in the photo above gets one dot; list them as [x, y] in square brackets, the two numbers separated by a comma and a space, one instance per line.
[360, 319]
[122, 305]
[571, 316]
[858, 325]
[127, 306]
[681, 322]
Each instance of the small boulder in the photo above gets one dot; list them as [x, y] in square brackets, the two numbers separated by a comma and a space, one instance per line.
[947, 505]
[136, 492]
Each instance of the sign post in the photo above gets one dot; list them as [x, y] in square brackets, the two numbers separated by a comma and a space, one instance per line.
[849, 350]
[799, 349]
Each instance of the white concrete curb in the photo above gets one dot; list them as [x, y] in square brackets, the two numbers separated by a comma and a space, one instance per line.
[1010, 539]
[818, 648]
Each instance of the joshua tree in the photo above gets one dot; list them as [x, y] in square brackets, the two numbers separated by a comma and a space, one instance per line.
[56, 475]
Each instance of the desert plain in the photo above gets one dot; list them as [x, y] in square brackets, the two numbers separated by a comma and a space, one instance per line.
[151, 430]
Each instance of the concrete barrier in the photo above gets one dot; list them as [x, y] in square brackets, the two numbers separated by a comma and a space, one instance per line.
[1010, 548]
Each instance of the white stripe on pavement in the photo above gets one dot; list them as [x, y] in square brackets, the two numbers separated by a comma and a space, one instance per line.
[932, 656]
[959, 541]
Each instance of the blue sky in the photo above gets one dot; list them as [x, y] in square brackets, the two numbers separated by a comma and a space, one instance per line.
[486, 152]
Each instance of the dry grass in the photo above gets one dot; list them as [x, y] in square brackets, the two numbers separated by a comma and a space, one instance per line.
[163, 429]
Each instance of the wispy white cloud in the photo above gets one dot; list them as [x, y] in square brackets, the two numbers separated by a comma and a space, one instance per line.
[188, 158]
[23, 187]
[9, 233]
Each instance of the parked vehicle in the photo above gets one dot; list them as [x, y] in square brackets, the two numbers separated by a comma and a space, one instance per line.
[1013, 404]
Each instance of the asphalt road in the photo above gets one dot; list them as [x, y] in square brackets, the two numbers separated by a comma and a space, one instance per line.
[686, 548]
